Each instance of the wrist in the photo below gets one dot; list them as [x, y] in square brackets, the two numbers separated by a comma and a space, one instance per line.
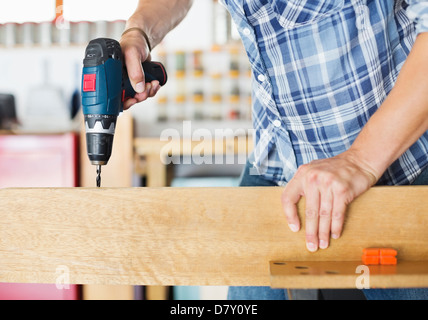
[365, 165]
[142, 33]
[135, 35]
[138, 21]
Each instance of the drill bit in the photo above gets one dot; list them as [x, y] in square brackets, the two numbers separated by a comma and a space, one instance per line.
[98, 176]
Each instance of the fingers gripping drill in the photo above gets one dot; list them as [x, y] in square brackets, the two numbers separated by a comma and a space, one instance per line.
[105, 87]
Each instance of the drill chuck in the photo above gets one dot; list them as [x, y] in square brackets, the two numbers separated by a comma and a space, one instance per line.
[99, 137]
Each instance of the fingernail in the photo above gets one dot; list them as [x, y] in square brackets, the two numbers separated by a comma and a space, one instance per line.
[293, 227]
[335, 236]
[140, 87]
[155, 89]
[148, 88]
[323, 244]
[311, 246]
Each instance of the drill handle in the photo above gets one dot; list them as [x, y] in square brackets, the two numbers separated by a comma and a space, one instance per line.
[152, 71]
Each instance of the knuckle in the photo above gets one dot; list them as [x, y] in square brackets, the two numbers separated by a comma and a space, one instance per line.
[311, 214]
[311, 237]
[140, 96]
[325, 213]
[344, 190]
[302, 169]
[337, 216]
[328, 179]
[312, 176]
[341, 188]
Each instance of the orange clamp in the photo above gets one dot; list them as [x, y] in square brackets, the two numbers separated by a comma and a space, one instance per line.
[383, 256]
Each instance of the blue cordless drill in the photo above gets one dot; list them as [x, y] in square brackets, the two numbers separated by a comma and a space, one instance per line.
[105, 87]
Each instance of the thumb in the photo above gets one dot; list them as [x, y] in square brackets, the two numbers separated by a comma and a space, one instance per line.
[134, 67]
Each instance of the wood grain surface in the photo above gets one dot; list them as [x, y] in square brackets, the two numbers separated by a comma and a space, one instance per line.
[187, 236]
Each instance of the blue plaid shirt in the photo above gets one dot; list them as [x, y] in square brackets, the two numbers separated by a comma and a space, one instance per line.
[320, 71]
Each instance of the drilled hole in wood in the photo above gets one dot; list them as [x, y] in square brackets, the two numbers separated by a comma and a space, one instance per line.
[331, 272]
[301, 267]
[280, 263]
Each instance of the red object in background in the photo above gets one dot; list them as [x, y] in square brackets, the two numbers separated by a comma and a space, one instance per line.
[38, 161]
[30, 291]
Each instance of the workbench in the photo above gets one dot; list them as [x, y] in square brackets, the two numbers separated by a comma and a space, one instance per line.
[203, 236]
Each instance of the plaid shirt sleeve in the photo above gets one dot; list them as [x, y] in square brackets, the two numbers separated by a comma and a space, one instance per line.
[418, 13]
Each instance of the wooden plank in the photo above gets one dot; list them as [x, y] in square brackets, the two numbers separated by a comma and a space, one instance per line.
[187, 236]
[350, 274]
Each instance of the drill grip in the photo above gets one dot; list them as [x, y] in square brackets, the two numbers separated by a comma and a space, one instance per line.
[152, 71]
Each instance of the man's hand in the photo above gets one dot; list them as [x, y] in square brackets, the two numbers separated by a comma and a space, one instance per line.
[155, 19]
[136, 51]
[329, 186]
